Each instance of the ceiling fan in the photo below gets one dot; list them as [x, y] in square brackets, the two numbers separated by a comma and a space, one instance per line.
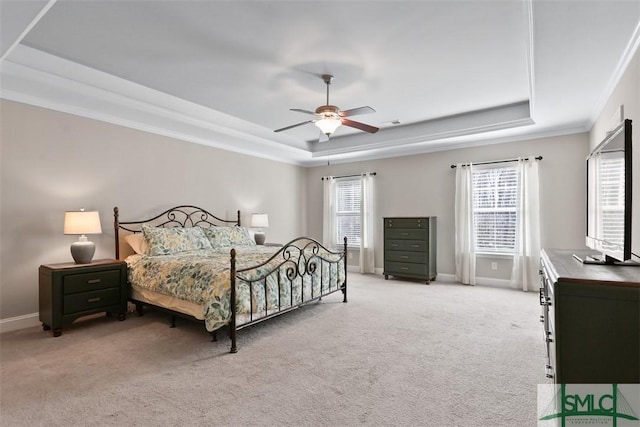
[330, 117]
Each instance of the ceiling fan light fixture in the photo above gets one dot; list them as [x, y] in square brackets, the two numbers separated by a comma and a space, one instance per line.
[330, 117]
[328, 125]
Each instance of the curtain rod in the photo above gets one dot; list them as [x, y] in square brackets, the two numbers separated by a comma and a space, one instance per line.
[350, 176]
[496, 161]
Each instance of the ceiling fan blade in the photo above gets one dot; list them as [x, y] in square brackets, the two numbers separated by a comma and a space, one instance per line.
[300, 110]
[356, 111]
[361, 126]
[293, 126]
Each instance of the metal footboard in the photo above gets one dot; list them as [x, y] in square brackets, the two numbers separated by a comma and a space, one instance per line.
[302, 271]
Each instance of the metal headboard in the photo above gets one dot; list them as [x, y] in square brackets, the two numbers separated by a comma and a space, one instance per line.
[179, 216]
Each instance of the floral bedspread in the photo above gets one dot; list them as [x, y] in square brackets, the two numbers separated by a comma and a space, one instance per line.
[203, 277]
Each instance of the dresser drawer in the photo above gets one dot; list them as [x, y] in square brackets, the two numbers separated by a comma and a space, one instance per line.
[86, 301]
[406, 269]
[406, 233]
[402, 256]
[406, 245]
[406, 223]
[85, 282]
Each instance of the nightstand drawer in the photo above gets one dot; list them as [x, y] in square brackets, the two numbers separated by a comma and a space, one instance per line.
[86, 282]
[90, 300]
[401, 256]
[406, 245]
[405, 269]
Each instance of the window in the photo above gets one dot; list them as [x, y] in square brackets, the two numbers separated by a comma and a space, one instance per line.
[611, 194]
[495, 195]
[348, 204]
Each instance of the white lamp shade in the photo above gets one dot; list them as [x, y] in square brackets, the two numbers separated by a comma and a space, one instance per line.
[260, 220]
[82, 222]
[328, 125]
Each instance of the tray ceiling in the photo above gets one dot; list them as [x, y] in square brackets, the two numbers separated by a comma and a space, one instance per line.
[439, 74]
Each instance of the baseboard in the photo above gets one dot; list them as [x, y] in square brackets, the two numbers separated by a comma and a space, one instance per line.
[481, 281]
[19, 322]
[446, 277]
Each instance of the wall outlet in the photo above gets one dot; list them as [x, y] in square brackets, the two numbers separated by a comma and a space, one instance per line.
[494, 266]
[350, 255]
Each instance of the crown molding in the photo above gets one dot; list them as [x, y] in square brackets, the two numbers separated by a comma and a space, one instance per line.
[33, 77]
[628, 54]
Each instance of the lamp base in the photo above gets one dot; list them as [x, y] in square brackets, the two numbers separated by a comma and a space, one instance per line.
[82, 252]
[259, 237]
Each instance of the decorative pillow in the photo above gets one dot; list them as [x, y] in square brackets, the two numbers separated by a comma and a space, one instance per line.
[137, 243]
[221, 237]
[240, 236]
[174, 240]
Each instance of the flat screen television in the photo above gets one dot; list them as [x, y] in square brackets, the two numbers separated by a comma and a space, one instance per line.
[609, 199]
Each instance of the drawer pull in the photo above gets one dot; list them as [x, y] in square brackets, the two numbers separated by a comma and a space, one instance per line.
[404, 234]
[404, 257]
[404, 268]
[93, 299]
[415, 246]
[395, 245]
[92, 281]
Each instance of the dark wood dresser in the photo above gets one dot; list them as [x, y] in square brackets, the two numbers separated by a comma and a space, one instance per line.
[591, 320]
[410, 247]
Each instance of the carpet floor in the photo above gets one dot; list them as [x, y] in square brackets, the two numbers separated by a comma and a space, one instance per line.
[399, 353]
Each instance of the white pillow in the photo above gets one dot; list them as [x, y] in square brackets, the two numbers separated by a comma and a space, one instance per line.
[137, 242]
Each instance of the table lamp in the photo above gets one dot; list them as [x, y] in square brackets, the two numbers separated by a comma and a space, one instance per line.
[259, 220]
[82, 222]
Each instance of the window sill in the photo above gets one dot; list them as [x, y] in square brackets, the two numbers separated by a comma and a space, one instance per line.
[504, 255]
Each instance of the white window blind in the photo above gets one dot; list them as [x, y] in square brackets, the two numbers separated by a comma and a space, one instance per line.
[611, 192]
[348, 205]
[495, 195]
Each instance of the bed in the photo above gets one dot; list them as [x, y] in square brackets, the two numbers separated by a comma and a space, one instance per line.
[192, 264]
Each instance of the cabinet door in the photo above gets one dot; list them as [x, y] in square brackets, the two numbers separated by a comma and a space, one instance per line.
[597, 333]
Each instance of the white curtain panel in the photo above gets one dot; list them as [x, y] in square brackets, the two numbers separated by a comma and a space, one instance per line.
[329, 212]
[465, 256]
[527, 257]
[367, 221]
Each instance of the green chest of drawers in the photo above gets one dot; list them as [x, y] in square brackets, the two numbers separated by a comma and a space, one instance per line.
[69, 291]
[410, 247]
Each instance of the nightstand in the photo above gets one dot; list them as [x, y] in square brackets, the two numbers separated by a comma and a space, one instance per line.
[69, 291]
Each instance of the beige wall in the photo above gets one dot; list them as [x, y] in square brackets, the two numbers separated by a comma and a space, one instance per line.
[424, 185]
[52, 162]
[627, 94]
